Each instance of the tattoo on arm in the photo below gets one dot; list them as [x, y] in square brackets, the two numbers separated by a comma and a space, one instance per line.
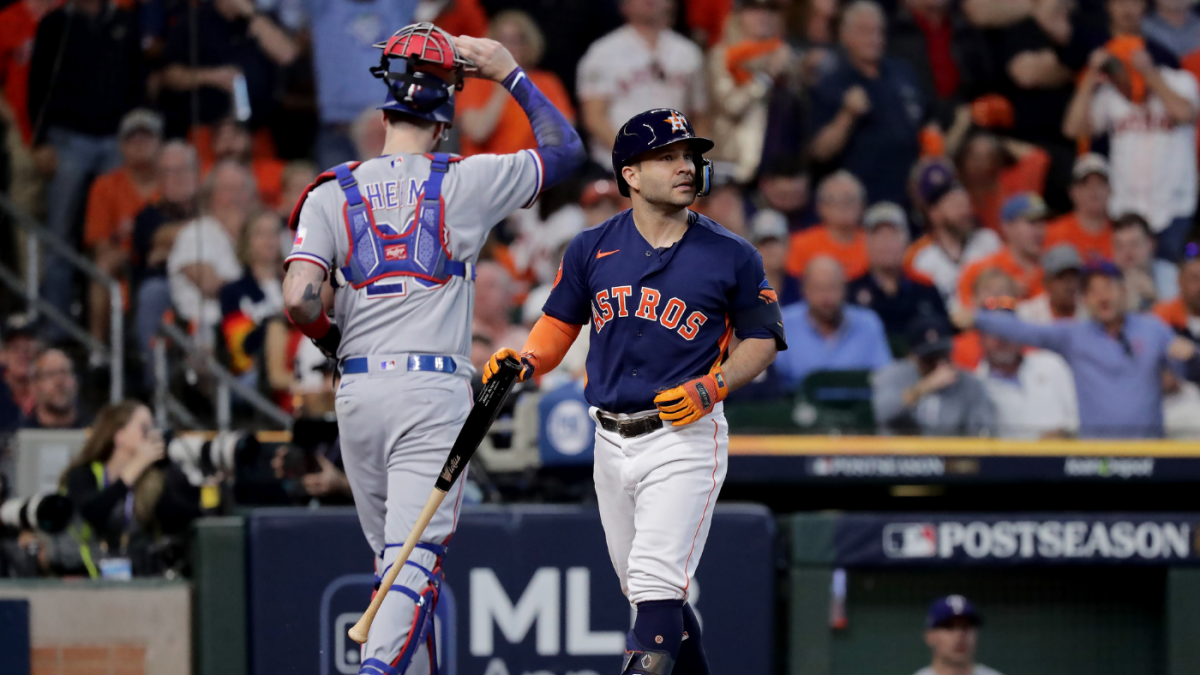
[302, 290]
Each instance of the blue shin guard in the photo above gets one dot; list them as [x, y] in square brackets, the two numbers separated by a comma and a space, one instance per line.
[692, 660]
[652, 646]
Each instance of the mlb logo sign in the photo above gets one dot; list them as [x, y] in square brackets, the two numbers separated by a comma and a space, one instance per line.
[910, 540]
[396, 252]
[387, 365]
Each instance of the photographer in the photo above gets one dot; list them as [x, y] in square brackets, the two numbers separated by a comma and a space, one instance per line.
[125, 496]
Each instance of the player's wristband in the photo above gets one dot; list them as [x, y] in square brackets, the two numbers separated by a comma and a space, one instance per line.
[316, 329]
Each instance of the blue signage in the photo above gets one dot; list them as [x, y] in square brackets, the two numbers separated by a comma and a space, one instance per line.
[566, 433]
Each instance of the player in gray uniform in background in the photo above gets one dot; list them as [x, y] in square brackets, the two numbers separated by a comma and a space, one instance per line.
[398, 236]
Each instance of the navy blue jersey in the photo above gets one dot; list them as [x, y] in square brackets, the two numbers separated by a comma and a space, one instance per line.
[659, 317]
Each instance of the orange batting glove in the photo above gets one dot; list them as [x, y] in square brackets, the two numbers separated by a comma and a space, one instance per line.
[493, 365]
[692, 400]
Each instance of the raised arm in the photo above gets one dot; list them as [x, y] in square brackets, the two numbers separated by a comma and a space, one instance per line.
[1054, 336]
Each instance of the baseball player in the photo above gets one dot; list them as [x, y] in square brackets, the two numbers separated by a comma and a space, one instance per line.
[399, 236]
[664, 290]
[952, 633]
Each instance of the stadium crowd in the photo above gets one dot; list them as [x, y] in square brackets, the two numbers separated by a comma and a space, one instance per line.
[986, 209]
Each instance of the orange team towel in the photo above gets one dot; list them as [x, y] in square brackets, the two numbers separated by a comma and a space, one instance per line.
[737, 56]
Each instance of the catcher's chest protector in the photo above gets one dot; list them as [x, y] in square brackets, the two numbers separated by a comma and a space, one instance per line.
[419, 251]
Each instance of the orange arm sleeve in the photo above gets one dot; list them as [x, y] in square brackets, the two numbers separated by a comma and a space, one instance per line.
[548, 343]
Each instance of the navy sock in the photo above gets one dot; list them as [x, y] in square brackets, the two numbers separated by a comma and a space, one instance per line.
[692, 660]
[659, 626]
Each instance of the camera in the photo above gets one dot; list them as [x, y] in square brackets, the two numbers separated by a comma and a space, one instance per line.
[226, 453]
[47, 513]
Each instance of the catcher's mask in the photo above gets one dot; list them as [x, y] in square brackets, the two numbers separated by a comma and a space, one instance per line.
[430, 71]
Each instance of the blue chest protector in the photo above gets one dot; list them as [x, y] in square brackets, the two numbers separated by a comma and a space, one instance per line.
[419, 252]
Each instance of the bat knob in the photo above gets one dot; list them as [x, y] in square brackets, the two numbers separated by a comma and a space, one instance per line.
[358, 634]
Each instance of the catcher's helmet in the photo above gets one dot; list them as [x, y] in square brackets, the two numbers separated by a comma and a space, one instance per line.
[431, 71]
[654, 129]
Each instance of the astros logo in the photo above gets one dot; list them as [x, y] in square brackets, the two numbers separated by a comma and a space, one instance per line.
[678, 122]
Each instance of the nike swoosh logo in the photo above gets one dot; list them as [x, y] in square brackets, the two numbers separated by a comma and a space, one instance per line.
[601, 254]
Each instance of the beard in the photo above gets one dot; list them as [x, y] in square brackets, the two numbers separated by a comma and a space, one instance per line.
[670, 197]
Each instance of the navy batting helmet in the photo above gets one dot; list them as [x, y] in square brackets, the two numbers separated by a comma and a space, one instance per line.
[654, 129]
[431, 70]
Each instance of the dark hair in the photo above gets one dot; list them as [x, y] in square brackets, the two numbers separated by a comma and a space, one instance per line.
[785, 164]
[100, 444]
[397, 117]
[1129, 220]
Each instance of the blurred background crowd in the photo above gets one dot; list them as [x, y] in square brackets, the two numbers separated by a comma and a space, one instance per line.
[977, 215]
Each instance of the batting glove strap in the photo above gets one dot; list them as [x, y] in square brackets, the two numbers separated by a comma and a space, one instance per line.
[330, 341]
[528, 364]
[692, 400]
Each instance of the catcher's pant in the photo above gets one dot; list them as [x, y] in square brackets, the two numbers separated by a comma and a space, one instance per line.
[656, 494]
[397, 428]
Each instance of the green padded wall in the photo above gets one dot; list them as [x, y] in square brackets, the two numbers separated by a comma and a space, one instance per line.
[219, 575]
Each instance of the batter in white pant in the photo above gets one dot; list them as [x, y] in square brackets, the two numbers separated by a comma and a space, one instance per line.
[663, 291]
[398, 237]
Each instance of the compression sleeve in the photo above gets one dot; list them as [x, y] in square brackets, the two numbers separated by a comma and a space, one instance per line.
[548, 343]
[559, 144]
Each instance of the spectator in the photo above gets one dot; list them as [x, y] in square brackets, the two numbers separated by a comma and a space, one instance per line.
[993, 170]
[967, 352]
[840, 202]
[1183, 312]
[203, 258]
[768, 232]
[456, 17]
[1087, 228]
[744, 72]
[1174, 26]
[215, 49]
[114, 201]
[55, 394]
[247, 304]
[1024, 229]
[1121, 19]
[1113, 351]
[601, 201]
[952, 633]
[641, 65]
[1033, 391]
[490, 119]
[296, 177]
[783, 187]
[1060, 300]
[929, 36]
[1181, 408]
[368, 134]
[495, 300]
[952, 240]
[1147, 280]
[231, 140]
[18, 27]
[726, 204]
[869, 110]
[926, 393]
[885, 289]
[828, 334]
[1149, 113]
[76, 109]
[19, 346]
[114, 486]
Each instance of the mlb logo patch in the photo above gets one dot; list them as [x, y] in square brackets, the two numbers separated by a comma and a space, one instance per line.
[387, 365]
[301, 232]
[395, 252]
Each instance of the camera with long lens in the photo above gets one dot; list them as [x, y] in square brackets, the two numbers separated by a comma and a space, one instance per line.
[227, 453]
[310, 436]
[46, 513]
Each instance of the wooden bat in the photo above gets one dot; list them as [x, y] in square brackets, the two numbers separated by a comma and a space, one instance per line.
[487, 406]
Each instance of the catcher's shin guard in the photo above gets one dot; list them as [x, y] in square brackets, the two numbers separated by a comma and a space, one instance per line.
[421, 632]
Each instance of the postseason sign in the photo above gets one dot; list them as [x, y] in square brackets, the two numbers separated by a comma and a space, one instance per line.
[1016, 539]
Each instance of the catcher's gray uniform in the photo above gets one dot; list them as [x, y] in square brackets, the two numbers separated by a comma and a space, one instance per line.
[405, 350]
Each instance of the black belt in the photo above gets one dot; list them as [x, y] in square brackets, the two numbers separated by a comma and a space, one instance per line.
[629, 428]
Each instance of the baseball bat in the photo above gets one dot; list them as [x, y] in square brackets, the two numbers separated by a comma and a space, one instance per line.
[487, 406]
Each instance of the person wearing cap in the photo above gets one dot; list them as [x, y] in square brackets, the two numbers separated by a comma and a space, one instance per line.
[114, 202]
[769, 234]
[953, 238]
[827, 334]
[1024, 229]
[1087, 227]
[744, 75]
[601, 200]
[926, 393]
[885, 288]
[1060, 279]
[1116, 356]
[1149, 113]
[952, 634]
[1147, 279]
[868, 111]
[841, 199]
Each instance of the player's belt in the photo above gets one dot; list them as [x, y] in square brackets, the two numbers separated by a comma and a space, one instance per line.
[629, 428]
[412, 362]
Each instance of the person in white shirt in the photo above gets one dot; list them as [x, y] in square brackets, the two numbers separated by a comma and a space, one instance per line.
[1034, 392]
[204, 257]
[1149, 113]
[1061, 268]
[953, 238]
[952, 633]
[639, 66]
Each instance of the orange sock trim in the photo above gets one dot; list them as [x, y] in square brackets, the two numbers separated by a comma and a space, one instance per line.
[548, 343]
